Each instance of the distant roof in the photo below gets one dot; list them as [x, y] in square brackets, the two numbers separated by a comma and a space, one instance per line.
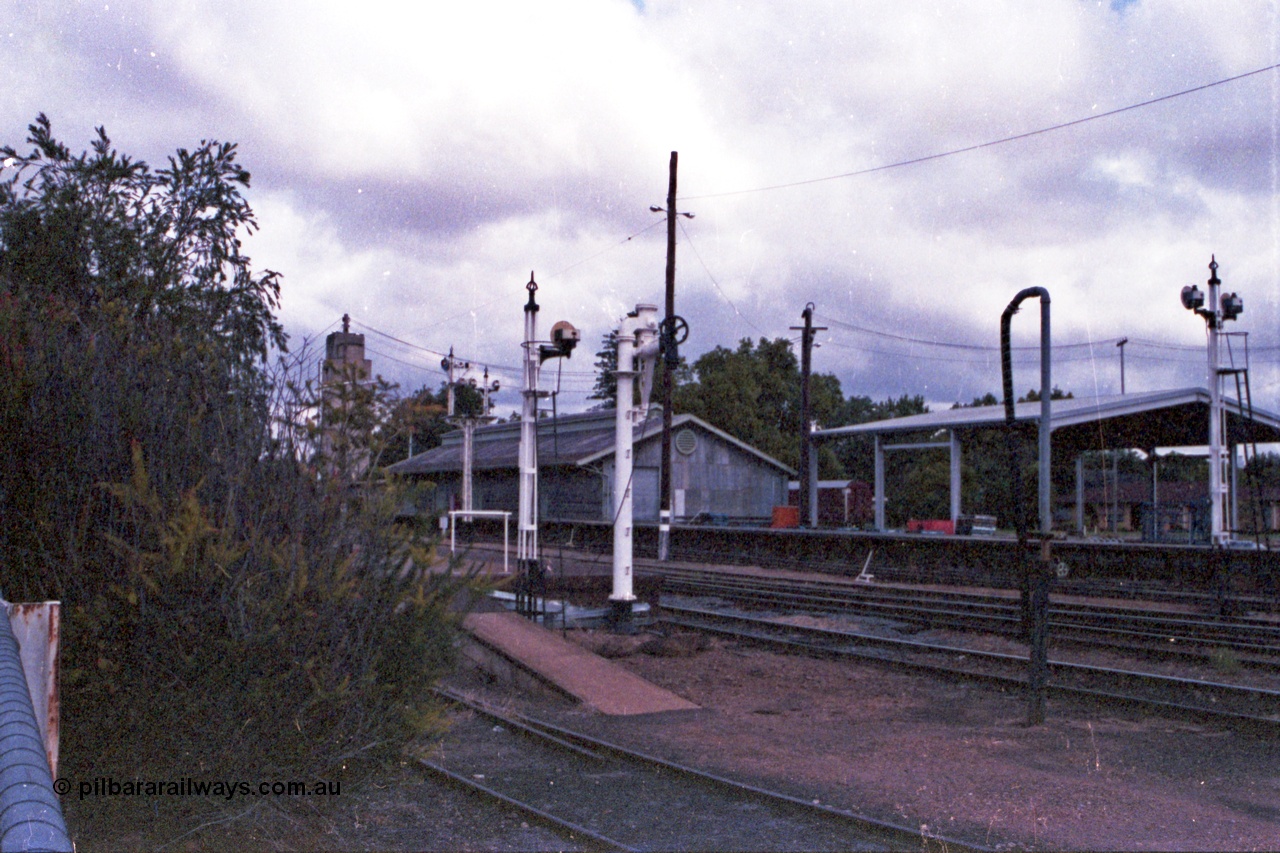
[1177, 418]
[569, 440]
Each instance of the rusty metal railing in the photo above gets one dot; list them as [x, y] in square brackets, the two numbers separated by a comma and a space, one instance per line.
[30, 813]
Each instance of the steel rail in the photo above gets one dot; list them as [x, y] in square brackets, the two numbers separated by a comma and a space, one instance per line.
[1000, 615]
[824, 570]
[568, 827]
[1270, 629]
[1159, 642]
[1092, 586]
[1166, 635]
[704, 620]
[896, 836]
[1086, 624]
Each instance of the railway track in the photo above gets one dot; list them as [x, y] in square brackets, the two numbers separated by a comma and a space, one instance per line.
[603, 796]
[1167, 634]
[1183, 697]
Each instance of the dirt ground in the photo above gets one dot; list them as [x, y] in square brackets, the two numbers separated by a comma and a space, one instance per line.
[951, 759]
[957, 759]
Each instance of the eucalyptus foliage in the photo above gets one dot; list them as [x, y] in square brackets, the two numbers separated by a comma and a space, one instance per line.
[237, 593]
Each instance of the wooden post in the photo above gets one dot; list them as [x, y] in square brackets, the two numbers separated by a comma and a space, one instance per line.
[668, 368]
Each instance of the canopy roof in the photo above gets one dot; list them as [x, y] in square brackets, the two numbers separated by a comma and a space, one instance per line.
[1144, 420]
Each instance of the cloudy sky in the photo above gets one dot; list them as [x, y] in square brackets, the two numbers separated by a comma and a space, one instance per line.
[413, 162]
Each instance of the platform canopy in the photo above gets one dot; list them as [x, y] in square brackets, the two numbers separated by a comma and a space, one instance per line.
[1144, 420]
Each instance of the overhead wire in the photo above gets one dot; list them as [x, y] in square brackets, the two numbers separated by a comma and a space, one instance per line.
[506, 368]
[713, 281]
[850, 174]
[947, 344]
[622, 242]
[990, 143]
[513, 369]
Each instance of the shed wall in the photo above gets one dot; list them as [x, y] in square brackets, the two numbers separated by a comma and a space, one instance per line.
[718, 478]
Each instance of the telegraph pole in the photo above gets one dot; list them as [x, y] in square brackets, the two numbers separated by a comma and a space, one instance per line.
[1121, 344]
[671, 339]
[808, 462]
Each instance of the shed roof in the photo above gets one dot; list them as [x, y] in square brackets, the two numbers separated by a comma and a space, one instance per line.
[1149, 419]
[569, 440]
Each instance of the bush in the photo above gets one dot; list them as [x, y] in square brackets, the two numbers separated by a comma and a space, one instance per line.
[234, 604]
[280, 649]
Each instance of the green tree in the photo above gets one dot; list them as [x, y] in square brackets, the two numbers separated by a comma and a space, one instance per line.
[422, 417]
[606, 364]
[226, 609]
[606, 387]
[753, 393]
[130, 316]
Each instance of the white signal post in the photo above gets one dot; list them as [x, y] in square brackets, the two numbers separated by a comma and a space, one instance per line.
[527, 531]
[564, 337]
[637, 348]
[1219, 309]
[458, 371]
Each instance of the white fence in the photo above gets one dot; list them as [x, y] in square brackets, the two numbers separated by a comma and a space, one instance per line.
[467, 515]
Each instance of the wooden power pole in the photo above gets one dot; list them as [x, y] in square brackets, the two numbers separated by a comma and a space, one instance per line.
[674, 330]
[668, 368]
[808, 461]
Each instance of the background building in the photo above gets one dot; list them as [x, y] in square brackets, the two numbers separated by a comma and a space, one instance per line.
[713, 474]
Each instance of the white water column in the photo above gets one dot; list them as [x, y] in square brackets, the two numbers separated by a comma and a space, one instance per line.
[637, 342]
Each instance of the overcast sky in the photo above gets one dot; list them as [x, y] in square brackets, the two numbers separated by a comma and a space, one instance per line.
[413, 161]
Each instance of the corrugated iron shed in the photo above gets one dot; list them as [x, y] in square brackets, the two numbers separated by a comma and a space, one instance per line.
[569, 440]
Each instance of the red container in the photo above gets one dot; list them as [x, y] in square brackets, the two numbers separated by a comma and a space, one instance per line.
[786, 516]
[933, 525]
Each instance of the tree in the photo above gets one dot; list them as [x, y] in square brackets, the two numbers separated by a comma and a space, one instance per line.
[422, 417]
[753, 393]
[159, 480]
[606, 387]
[130, 316]
[1056, 393]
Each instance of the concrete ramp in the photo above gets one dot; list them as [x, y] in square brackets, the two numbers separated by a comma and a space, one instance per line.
[589, 678]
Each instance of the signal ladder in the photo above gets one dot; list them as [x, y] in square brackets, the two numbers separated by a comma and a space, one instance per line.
[1244, 404]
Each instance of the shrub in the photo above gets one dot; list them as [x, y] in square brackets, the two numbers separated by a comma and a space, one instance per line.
[234, 603]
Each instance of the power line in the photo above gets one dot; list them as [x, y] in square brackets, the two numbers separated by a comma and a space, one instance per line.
[471, 311]
[989, 144]
[606, 251]
[951, 344]
[1026, 357]
[715, 283]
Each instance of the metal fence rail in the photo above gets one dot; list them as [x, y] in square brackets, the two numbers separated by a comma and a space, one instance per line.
[30, 814]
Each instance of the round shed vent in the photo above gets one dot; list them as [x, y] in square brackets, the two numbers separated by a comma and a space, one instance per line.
[686, 441]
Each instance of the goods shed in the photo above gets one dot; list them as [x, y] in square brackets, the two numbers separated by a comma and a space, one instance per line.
[713, 474]
[1143, 421]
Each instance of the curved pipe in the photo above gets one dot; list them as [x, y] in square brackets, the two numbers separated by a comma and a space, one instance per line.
[1006, 368]
[30, 814]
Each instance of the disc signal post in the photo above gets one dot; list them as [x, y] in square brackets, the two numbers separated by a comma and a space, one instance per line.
[1220, 308]
[531, 585]
[460, 373]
